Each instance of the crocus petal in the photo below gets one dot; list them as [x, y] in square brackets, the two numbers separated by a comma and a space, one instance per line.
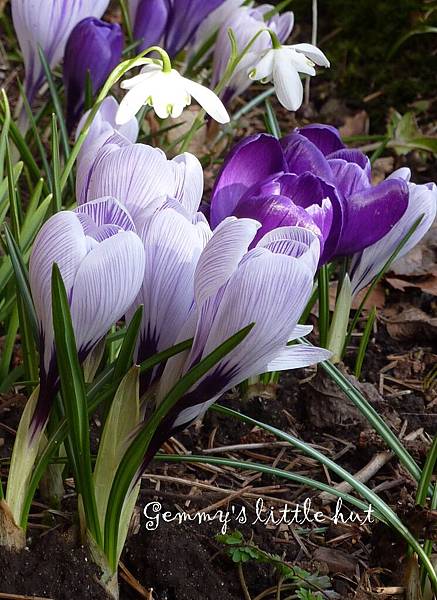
[105, 286]
[188, 174]
[107, 210]
[422, 202]
[208, 100]
[221, 256]
[325, 137]
[371, 213]
[251, 160]
[172, 247]
[302, 155]
[300, 355]
[288, 86]
[93, 49]
[137, 175]
[297, 242]
[350, 178]
[150, 19]
[61, 240]
[314, 53]
[38, 23]
[184, 19]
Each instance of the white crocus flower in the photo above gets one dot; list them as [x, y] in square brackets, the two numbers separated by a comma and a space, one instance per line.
[282, 64]
[163, 88]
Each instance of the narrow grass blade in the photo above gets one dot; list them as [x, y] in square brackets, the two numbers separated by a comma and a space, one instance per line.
[56, 168]
[271, 121]
[323, 291]
[74, 400]
[364, 342]
[125, 355]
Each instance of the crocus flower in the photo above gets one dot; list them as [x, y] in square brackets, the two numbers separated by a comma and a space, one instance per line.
[102, 128]
[213, 22]
[246, 22]
[268, 286]
[101, 260]
[142, 178]
[168, 93]
[170, 22]
[283, 64]
[357, 215]
[422, 202]
[173, 241]
[48, 24]
[94, 47]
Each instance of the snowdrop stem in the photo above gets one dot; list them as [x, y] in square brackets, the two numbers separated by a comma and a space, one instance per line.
[275, 40]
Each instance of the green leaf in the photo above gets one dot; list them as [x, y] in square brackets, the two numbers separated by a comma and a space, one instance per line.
[271, 121]
[364, 342]
[74, 400]
[122, 419]
[125, 355]
[340, 320]
[5, 131]
[23, 459]
[128, 469]
[56, 174]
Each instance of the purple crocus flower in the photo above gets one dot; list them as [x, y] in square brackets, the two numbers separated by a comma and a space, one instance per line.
[233, 287]
[357, 214]
[142, 178]
[48, 24]
[172, 21]
[245, 23]
[94, 47]
[101, 260]
[422, 202]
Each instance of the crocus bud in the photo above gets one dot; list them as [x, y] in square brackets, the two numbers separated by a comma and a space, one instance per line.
[93, 47]
[149, 19]
[48, 24]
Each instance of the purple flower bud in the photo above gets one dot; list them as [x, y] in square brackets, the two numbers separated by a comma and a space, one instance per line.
[93, 47]
[149, 21]
[48, 24]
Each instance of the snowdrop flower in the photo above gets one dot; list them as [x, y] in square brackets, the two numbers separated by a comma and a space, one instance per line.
[163, 88]
[282, 64]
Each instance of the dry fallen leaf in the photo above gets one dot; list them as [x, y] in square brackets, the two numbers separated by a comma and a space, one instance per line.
[409, 322]
[357, 124]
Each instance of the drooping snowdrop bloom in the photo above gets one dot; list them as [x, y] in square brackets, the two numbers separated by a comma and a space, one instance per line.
[246, 22]
[168, 93]
[101, 260]
[94, 47]
[142, 178]
[173, 240]
[330, 182]
[282, 65]
[101, 130]
[48, 24]
[171, 23]
[233, 288]
[422, 202]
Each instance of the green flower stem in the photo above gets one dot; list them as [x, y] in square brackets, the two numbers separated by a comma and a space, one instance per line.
[323, 290]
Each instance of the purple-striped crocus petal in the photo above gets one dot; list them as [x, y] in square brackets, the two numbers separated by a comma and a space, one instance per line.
[371, 214]
[184, 19]
[61, 240]
[149, 22]
[297, 242]
[48, 24]
[267, 289]
[139, 176]
[101, 130]
[105, 286]
[298, 356]
[93, 49]
[172, 246]
[188, 175]
[302, 156]
[326, 137]
[104, 211]
[250, 161]
[350, 178]
[422, 202]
